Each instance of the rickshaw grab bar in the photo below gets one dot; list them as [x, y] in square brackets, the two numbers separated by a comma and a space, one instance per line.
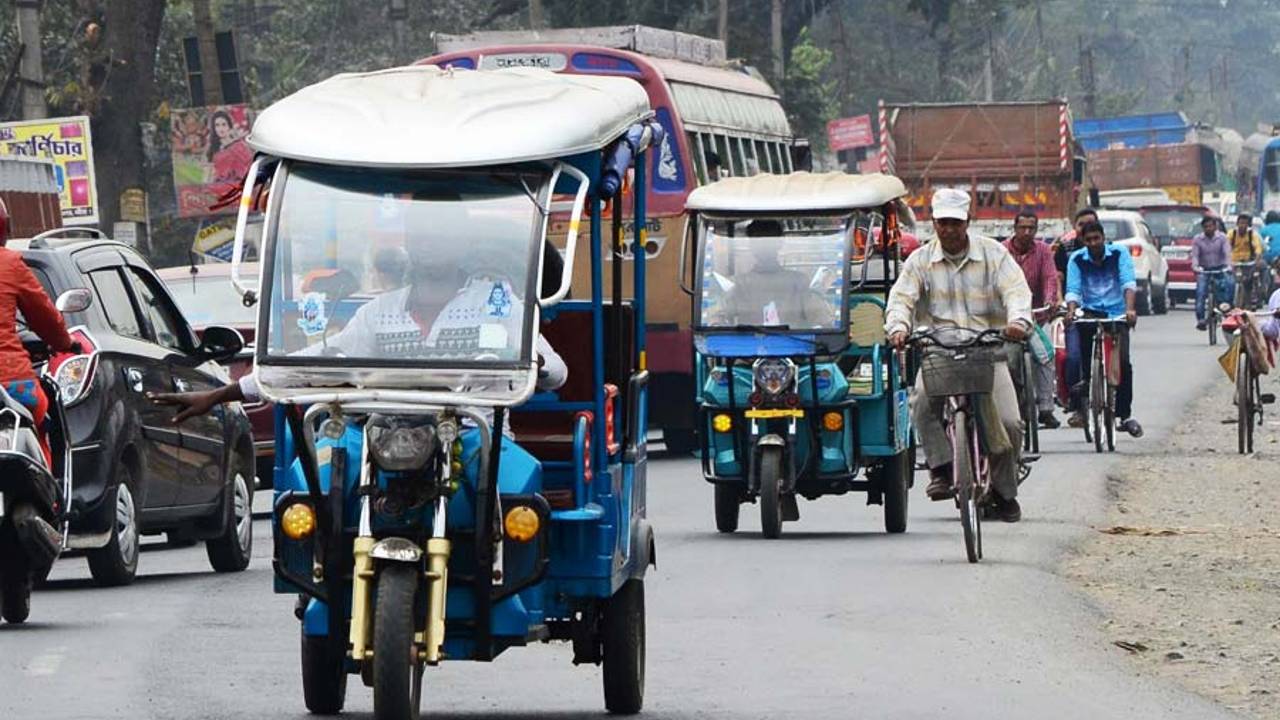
[242, 223]
[416, 398]
[571, 240]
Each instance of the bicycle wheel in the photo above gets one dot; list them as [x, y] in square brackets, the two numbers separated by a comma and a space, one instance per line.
[964, 481]
[1030, 416]
[1109, 417]
[1213, 326]
[1097, 395]
[1244, 409]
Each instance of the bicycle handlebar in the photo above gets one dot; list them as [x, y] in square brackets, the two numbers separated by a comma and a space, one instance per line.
[976, 337]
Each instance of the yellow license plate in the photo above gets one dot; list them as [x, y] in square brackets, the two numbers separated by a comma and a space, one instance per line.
[770, 413]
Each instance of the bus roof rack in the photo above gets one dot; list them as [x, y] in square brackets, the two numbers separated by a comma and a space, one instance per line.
[654, 42]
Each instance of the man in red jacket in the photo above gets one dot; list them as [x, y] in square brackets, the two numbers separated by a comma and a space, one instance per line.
[20, 291]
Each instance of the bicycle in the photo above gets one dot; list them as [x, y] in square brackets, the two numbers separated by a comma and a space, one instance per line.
[1246, 294]
[956, 372]
[1249, 398]
[1213, 314]
[1104, 378]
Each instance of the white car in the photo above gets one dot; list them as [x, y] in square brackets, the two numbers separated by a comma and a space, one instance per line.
[1128, 229]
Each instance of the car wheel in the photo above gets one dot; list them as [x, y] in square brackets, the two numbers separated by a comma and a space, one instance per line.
[1143, 302]
[1160, 300]
[232, 550]
[116, 563]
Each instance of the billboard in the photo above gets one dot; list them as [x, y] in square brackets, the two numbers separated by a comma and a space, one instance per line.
[210, 155]
[69, 144]
[849, 133]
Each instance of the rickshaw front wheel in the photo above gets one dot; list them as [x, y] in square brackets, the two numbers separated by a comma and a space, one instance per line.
[623, 638]
[324, 679]
[397, 669]
[895, 480]
[728, 503]
[770, 470]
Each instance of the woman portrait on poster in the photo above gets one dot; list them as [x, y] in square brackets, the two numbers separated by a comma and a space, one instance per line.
[227, 150]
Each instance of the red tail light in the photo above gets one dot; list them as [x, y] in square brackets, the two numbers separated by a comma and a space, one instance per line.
[586, 446]
[1135, 250]
[610, 420]
[74, 373]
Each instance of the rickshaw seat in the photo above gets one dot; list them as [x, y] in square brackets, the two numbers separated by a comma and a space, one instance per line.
[547, 431]
[866, 320]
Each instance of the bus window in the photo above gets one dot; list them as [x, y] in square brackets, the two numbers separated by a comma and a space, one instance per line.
[748, 167]
[786, 157]
[1272, 172]
[726, 155]
[761, 151]
[699, 159]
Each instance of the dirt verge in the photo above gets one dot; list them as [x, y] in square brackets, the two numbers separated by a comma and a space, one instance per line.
[1187, 566]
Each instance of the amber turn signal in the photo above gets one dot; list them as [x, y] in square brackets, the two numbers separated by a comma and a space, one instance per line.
[522, 523]
[298, 521]
[833, 421]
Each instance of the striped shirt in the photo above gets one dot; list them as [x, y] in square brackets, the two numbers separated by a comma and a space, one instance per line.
[984, 290]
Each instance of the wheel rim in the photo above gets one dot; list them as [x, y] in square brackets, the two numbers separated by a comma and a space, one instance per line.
[126, 524]
[243, 509]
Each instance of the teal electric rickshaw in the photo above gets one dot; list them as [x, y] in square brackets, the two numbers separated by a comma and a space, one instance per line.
[460, 450]
[799, 392]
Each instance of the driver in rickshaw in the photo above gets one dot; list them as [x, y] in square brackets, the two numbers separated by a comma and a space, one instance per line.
[770, 294]
[441, 312]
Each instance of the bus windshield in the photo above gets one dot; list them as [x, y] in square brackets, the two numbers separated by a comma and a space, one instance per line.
[783, 273]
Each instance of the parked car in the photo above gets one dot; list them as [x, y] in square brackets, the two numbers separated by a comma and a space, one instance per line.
[1174, 226]
[1128, 229]
[206, 297]
[136, 473]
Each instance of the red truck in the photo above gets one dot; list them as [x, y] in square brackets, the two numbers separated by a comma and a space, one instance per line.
[1009, 157]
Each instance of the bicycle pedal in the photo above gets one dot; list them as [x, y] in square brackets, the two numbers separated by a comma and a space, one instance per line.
[1267, 398]
[1028, 458]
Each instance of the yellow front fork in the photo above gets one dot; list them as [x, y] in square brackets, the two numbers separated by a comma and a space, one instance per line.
[362, 599]
[437, 586]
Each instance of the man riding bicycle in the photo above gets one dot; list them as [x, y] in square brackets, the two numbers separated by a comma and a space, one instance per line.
[1210, 251]
[1069, 241]
[1100, 280]
[1246, 255]
[969, 282]
[1036, 260]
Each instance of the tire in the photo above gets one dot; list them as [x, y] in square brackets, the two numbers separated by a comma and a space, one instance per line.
[728, 503]
[1031, 417]
[895, 477]
[964, 482]
[1097, 400]
[232, 550]
[397, 671]
[15, 593]
[324, 679]
[680, 441]
[1161, 300]
[1109, 417]
[623, 636]
[1244, 406]
[770, 473]
[1213, 326]
[1142, 303]
[116, 563]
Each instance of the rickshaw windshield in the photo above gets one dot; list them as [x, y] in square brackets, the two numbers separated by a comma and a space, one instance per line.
[405, 269]
[787, 273]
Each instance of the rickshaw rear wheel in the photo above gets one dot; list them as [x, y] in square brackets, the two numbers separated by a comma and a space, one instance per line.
[680, 441]
[770, 470]
[895, 477]
[324, 679]
[728, 503]
[15, 581]
[623, 631]
[397, 669]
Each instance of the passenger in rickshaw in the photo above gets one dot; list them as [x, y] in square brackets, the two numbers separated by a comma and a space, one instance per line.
[770, 293]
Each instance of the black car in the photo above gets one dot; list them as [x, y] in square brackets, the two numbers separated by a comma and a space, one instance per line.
[135, 472]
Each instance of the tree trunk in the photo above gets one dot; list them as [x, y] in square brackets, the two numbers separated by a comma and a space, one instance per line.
[210, 76]
[775, 26]
[32, 72]
[125, 99]
[722, 25]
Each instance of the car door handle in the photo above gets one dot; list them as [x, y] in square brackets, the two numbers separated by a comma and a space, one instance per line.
[134, 377]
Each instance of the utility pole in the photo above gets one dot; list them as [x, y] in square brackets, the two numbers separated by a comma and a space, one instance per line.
[775, 26]
[210, 73]
[537, 18]
[31, 74]
[988, 71]
[722, 28]
[1087, 79]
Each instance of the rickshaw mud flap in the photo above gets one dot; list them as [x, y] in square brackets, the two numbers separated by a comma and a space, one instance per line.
[538, 504]
[310, 471]
[305, 584]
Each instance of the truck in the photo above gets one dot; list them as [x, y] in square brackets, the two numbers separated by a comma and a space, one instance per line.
[1154, 150]
[1009, 156]
[29, 189]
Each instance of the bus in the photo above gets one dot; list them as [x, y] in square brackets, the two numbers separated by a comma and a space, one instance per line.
[1267, 196]
[719, 121]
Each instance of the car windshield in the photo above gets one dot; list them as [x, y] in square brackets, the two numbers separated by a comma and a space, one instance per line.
[212, 300]
[766, 272]
[1117, 229]
[404, 269]
[1174, 224]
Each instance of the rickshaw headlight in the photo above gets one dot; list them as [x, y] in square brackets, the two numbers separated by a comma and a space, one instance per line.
[833, 421]
[298, 521]
[402, 448]
[774, 375]
[522, 523]
[722, 423]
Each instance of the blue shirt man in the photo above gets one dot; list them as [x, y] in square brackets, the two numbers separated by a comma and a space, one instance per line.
[1271, 236]
[1101, 282]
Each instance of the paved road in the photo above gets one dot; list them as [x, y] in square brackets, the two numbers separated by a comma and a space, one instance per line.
[834, 620]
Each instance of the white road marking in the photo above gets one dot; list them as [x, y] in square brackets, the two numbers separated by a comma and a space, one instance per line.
[47, 663]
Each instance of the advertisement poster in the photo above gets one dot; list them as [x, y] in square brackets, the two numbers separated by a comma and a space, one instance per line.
[68, 143]
[210, 155]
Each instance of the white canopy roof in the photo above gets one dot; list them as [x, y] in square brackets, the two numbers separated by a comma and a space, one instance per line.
[796, 192]
[423, 116]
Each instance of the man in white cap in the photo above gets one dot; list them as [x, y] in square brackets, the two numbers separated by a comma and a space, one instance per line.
[970, 282]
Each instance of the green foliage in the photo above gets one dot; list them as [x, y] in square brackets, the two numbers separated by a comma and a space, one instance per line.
[810, 100]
